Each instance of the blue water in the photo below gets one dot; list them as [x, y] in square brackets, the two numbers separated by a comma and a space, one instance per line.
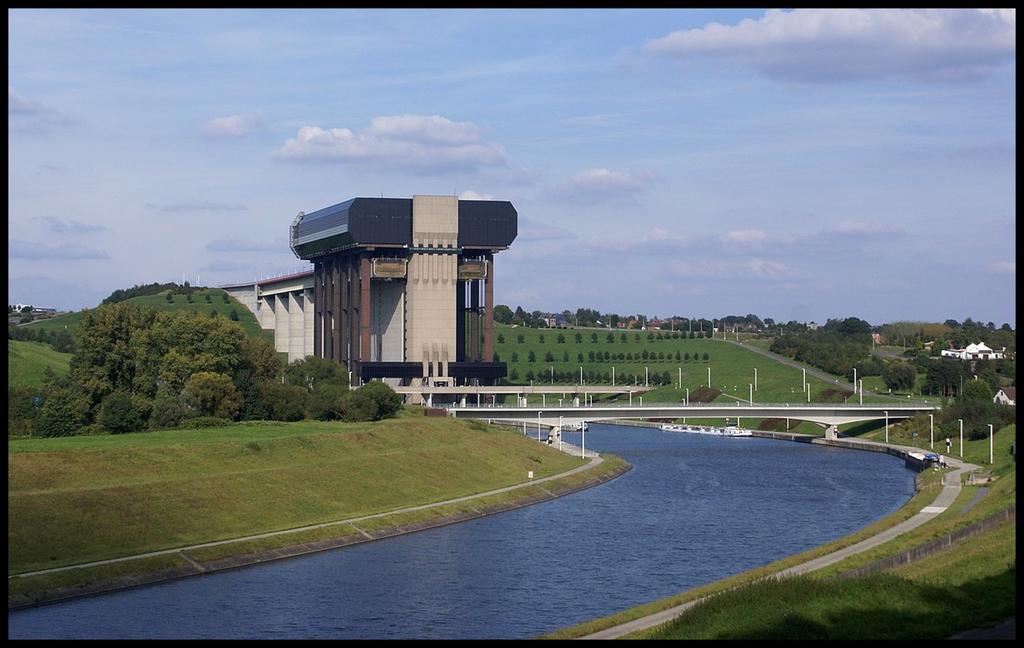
[694, 509]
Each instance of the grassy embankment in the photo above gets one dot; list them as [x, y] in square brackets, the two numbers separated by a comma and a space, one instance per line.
[27, 363]
[732, 369]
[969, 585]
[180, 302]
[81, 499]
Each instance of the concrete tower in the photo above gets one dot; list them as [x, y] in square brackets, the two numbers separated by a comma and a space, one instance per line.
[404, 289]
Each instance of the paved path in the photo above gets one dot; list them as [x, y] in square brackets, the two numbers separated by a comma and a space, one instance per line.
[568, 448]
[946, 497]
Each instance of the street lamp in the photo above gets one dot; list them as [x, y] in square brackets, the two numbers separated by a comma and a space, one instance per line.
[961, 438]
[646, 376]
[538, 424]
[887, 427]
[861, 391]
[991, 455]
[751, 393]
[755, 378]
[613, 375]
[687, 402]
[931, 431]
[559, 432]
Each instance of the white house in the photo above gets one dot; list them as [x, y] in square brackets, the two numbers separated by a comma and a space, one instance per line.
[1006, 396]
[977, 351]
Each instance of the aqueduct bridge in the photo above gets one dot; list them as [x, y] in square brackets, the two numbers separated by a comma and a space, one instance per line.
[824, 414]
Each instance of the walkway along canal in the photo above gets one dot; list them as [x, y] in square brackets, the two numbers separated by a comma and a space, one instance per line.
[694, 509]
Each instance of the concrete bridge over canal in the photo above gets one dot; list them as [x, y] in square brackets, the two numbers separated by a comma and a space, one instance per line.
[827, 414]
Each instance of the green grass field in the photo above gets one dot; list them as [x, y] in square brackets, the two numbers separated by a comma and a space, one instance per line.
[80, 499]
[27, 363]
[732, 367]
[245, 318]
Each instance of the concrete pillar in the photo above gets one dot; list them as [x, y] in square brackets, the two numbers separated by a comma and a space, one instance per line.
[489, 311]
[296, 326]
[281, 322]
[309, 323]
[364, 309]
[576, 401]
[474, 320]
[318, 311]
[460, 321]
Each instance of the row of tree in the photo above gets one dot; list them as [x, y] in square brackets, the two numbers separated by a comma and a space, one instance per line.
[140, 290]
[60, 340]
[559, 377]
[607, 356]
[138, 368]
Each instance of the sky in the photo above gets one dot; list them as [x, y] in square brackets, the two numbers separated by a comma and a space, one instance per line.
[795, 164]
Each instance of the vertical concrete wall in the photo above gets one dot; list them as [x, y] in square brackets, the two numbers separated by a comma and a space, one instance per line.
[430, 286]
[280, 302]
[387, 321]
[296, 326]
[308, 312]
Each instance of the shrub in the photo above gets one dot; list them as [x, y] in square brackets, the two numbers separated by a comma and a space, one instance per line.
[118, 413]
[358, 406]
[387, 401]
[170, 298]
[212, 394]
[21, 410]
[204, 422]
[169, 410]
[63, 412]
[283, 402]
[326, 402]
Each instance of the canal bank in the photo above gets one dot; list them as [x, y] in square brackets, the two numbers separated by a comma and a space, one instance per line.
[951, 486]
[205, 558]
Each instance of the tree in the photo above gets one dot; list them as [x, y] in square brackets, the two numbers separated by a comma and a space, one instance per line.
[579, 338]
[593, 338]
[227, 300]
[706, 357]
[515, 357]
[977, 390]
[326, 401]
[213, 394]
[610, 338]
[283, 402]
[519, 339]
[899, 376]
[503, 314]
[501, 338]
[64, 411]
[549, 357]
[565, 356]
[542, 338]
[579, 357]
[561, 338]
[234, 315]
[169, 297]
[310, 371]
[387, 401]
[209, 299]
[119, 415]
[532, 357]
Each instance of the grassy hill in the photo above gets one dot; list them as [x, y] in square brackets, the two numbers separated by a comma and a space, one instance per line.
[180, 302]
[27, 362]
[178, 487]
[732, 367]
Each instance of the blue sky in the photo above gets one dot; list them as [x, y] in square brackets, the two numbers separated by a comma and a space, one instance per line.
[794, 164]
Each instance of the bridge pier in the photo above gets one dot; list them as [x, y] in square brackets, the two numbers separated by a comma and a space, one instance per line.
[832, 432]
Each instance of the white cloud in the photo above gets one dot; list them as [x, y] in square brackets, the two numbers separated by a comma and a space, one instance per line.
[472, 195]
[866, 228]
[427, 144]
[38, 251]
[744, 236]
[1003, 267]
[232, 126]
[204, 206]
[822, 45]
[72, 226]
[598, 184]
[31, 116]
[240, 245]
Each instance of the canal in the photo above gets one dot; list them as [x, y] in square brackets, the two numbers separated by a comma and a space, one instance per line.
[694, 509]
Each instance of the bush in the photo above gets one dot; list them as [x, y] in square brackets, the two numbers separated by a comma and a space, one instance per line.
[310, 371]
[283, 402]
[204, 422]
[64, 411]
[359, 406]
[169, 410]
[21, 411]
[212, 394]
[326, 402]
[387, 401]
[119, 415]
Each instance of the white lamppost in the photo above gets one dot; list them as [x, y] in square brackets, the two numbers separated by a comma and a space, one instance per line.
[861, 391]
[646, 377]
[805, 379]
[613, 376]
[709, 376]
[680, 377]
[538, 425]
[552, 374]
[931, 431]
[583, 443]
[887, 427]
[631, 398]
[581, 375]
[755, 378]
[687, 401]
[991, 455]
[559, 432]
[751, 393]
[961, 438]
[855, 377]
[808, 392]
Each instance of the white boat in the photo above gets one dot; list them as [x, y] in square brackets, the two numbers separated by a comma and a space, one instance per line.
[577, 427]
[730, 430]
